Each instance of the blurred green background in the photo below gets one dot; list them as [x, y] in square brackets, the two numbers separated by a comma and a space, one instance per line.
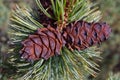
[110, 66]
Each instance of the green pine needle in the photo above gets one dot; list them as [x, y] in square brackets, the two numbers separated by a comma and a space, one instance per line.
[82, 11]
[23, 24]
[58, 9]
[42, 9]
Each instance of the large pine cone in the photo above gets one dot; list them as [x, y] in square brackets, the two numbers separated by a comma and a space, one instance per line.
[45, 43]
[80, 35]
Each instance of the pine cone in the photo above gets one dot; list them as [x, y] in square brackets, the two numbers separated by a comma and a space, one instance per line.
[45, 43]
[80, 35]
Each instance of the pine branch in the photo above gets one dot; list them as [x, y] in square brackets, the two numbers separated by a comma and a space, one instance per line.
[70, 65]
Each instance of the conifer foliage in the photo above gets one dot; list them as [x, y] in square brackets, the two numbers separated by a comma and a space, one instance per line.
[57, 40]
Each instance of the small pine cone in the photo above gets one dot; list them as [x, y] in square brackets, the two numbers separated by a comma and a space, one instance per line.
[45, 43]
[81, 35]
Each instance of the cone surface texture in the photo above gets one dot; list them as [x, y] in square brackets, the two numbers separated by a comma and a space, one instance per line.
[81, 35]
[45, 43]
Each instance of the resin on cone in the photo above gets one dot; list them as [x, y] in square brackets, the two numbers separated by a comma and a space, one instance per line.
[81, 35]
